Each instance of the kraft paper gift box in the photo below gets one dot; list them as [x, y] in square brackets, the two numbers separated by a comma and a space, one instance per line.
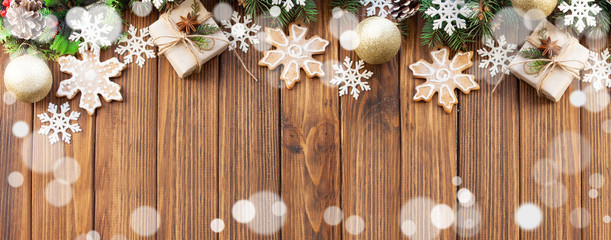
[182, 59]
[558, 80]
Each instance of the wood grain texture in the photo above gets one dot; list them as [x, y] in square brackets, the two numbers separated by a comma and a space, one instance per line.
[188, 151]
[488, 137]
[371, 154]
[193, 147]
[311, 145]
[126, 149]
[428, 140]
[249, 136]
[15, 203]
[542, 123]
[50, 221]
[596, 128]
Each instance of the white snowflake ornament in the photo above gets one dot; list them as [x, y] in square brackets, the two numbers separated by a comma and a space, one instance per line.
[158, 3]
[498, 58]
[351, 78]
[381, 7]
[240, 33]
[288, 4]
[136, 46]
[93, 31]
[59, 122]
[584, 11]
[598, 70]
[449, 12]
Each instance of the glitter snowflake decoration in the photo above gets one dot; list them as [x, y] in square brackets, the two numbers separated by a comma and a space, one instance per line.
[93, 31]
[598, 70]
[289, 4]
[351, 78]
[136, 46]
[581, 12]
[240, 33]
[59, 122]
[449, 12]
[498, 58]
[381, 7]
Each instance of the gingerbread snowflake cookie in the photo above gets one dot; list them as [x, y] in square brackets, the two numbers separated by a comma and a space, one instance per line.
[443, 76]
[90, 77]
[294, 52]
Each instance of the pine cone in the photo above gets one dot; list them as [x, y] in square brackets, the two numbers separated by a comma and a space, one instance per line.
[24, 20]
[403, 9]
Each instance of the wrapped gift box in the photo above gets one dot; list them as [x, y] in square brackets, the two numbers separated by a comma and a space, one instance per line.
[182, 59]
[558, 80]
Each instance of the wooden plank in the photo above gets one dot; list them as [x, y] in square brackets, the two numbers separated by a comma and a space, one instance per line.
[187, 151]
[50, 218]
[371, 154]
[15, 203]
[428, 138]
[542, 124]
[249, 137]
[126, 149]
[311, 145]
[596, 128]
[488, 147]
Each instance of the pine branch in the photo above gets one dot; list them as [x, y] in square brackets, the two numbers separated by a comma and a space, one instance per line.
[206, 29]
[532, 53]
[347, 5]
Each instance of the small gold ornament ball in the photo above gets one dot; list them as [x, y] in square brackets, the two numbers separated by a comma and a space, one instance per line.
[379, 40]
[534, 9]
[29, 78]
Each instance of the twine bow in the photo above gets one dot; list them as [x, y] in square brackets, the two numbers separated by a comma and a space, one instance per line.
[556, 61]
[178, 36]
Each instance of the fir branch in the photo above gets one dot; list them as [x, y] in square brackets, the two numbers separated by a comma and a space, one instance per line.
[347, 5]
[307, 13]
[532, 53]
[403, 27]
[195, 8]
[536, 66]
[206, 29]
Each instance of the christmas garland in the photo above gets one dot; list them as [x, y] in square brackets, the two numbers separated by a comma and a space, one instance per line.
[39, 27]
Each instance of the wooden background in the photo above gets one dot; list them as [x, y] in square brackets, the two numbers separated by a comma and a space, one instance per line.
[191, 148]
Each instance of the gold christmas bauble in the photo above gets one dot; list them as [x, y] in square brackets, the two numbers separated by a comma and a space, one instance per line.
[28, 78]
[379, 40]
[534, 9]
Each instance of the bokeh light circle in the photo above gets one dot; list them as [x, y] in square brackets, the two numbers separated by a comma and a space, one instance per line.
[217, 225]
[67, 169]
[9, 98]
[58, 193]
[354, 225]
[553, 195]
[528, 216]
[265, 221]
[243, 211]
[596, 180]
[145, 221]
[21, 129]
[333, 215]
[222, 11]
[442, 216]
[580, 218]
[15, 179]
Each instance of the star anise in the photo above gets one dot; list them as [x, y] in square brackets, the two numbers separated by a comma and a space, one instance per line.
[188, 24]
[549, 47]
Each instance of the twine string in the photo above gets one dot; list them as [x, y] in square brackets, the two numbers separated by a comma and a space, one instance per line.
[176, 36]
